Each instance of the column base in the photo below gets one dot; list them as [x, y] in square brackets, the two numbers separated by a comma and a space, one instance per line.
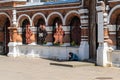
[84, 50]
[12, 49]
[102, 55]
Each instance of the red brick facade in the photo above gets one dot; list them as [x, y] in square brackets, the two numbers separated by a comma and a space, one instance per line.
[70, 15]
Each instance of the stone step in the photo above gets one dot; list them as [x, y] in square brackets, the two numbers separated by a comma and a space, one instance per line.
[116, 65]
[72, 63]
[115, 58]
[116, 51]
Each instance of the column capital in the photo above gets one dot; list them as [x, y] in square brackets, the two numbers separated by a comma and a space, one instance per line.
[101, 7]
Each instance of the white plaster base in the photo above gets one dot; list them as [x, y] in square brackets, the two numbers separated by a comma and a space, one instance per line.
[102, 54]
[13, 49]
[66, 44]
[50, 44]
[84, 50]
[50, 52]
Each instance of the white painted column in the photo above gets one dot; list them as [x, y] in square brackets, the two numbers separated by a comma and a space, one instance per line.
[13, 45]
[84, 46]
[103, 46]
[102, 54]
[14, 17]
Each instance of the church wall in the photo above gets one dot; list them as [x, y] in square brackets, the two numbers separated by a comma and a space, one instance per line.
[53, 13]
[49, 13]
[66, 12]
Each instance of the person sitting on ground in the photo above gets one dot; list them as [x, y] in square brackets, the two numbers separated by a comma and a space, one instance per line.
[73, 57]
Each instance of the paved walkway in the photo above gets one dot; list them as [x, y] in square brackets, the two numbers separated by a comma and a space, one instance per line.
[40, 69]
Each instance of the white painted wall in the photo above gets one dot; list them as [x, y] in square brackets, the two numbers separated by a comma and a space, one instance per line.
[51, 52]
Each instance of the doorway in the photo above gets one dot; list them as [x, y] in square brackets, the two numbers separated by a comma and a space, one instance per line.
[75, 31]
[6, 36]
[118, 32]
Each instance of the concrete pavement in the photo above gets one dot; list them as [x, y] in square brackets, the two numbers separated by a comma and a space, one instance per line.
[40, 69]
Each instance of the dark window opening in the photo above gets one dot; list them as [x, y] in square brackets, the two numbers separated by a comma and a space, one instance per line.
[75, 31]
[6, 36]
[24, 23]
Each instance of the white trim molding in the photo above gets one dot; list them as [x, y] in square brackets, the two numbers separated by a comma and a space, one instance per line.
[40, 14]
[70, 12]
[112, 10]
[22, 16]
[3, 13]
[53, 13]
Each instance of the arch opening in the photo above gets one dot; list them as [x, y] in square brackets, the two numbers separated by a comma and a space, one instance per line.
[4, 33]
[75, 31]
[41, 31]
[25, 23]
